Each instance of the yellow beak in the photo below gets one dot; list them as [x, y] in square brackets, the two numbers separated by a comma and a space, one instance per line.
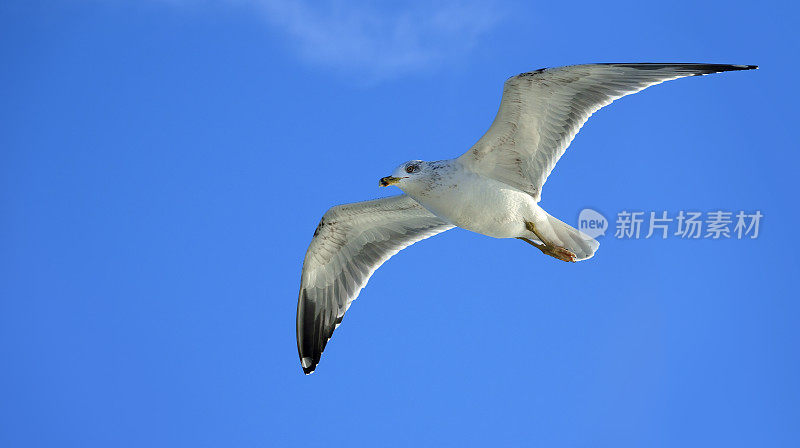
[388, 180]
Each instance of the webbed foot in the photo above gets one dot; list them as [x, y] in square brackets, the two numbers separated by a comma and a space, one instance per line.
[547, 248]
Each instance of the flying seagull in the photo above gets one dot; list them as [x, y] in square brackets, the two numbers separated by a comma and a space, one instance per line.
[492, 189]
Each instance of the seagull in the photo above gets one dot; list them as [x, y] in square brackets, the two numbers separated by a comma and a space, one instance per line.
[492, 189]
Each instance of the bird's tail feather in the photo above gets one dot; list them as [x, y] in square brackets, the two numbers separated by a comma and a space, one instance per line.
[569, 237]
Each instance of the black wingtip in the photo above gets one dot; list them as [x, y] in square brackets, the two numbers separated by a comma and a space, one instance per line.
[313, 331]
[689, 68]
[309, 363]
[729, 67]
[697, 68]
[732, 67]
[708, 69]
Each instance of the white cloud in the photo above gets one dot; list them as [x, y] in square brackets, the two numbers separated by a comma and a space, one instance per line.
[357, 37]
[372, 42]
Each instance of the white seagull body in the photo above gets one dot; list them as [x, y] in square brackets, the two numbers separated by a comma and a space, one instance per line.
[493, 189]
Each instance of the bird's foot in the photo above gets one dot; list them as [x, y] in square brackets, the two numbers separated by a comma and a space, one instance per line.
[553, 250]
[562, 253]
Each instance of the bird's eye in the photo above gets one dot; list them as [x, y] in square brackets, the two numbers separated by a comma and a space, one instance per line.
[411, 168]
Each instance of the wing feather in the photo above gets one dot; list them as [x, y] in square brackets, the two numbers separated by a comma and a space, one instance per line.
[349, 244]
[541, 111]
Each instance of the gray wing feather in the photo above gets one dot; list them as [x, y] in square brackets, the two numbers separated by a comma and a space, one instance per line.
[541, 112]
[350, 243]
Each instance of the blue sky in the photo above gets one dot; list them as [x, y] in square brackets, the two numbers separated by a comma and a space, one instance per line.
[163, 165]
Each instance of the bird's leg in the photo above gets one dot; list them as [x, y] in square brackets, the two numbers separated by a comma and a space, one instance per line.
[541, 247]
[548, 248]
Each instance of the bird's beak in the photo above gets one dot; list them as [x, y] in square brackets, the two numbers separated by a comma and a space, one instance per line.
[388, 180]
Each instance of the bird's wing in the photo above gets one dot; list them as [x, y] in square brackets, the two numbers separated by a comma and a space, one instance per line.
[350, 243]
[541, 112]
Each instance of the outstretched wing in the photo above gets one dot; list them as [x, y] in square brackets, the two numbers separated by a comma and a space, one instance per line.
[541, 112]
[350, 243]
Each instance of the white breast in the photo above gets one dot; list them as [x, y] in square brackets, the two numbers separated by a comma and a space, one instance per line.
[479, 204]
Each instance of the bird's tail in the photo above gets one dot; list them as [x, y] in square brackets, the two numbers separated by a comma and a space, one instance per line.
[562, 234]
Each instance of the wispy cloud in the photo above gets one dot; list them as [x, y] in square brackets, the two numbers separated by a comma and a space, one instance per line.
[357, 37]
[377, 40]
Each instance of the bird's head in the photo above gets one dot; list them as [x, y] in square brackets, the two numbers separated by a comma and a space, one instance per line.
[406, 175]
